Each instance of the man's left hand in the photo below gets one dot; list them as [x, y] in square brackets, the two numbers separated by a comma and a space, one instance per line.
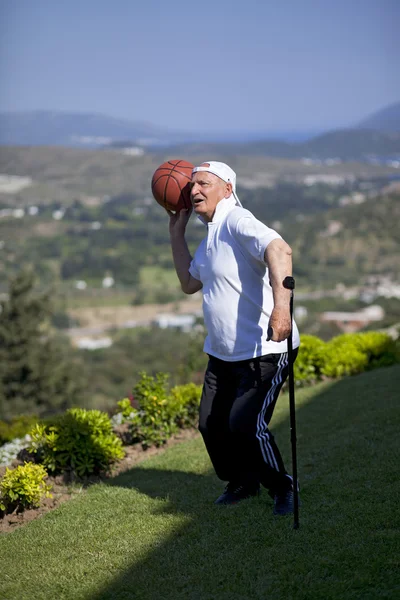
[280, 324]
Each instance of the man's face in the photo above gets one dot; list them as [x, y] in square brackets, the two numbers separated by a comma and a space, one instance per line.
[206, 191]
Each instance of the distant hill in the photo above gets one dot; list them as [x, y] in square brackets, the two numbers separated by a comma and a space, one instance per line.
[345, 144]
[64, 174]
[352, 144]
[76, 129]
[364, 241]
[379, 135]
[386, 119]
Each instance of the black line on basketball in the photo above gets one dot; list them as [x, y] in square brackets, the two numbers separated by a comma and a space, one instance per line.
[158, 179]
[166, 188]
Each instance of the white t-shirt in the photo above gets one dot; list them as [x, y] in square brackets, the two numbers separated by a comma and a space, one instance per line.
[237, 295]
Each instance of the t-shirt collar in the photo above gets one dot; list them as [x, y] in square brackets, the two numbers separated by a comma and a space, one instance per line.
[223, 207]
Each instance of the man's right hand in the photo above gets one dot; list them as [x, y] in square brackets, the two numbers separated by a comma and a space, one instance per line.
[178, 221]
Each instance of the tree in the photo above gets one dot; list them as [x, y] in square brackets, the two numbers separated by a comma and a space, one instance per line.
[37, 373]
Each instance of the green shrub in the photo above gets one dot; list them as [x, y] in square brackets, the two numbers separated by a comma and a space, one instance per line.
[352, 353]
[310, 360]
[344, 359]
[80, 440]
[380, 348]
[154, 422]
[23, 487]
[18, 427]
[126, 409]
[184, 401]
[159, 412]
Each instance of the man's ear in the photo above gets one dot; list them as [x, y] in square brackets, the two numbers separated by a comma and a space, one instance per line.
[228, 190]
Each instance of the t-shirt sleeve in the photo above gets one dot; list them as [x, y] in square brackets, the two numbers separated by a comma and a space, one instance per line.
[193, 269]
[254, 236]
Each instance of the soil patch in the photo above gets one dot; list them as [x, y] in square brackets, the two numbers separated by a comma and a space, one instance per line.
[66, 486]
[118, 316]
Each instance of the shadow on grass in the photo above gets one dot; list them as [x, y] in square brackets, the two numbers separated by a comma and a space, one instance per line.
[346, 449]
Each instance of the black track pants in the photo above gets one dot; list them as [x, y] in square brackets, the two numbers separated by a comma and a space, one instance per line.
[236, 407]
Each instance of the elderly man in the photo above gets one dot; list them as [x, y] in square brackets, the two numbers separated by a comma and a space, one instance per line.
[240, 266]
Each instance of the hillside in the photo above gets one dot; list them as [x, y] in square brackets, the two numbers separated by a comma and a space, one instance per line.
[386, 119]
[127, 238]
[63, 175]
[90, 214]
[348, 243]
[345, 144]
[351, 144]
[75, 129]
[378, 134]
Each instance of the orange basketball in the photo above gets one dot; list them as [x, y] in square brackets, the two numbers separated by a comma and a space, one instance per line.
[170, 184]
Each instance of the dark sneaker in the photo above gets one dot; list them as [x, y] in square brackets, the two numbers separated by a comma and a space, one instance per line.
[234, 493]
[284, 502]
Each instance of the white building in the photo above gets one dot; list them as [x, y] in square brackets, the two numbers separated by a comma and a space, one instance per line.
[183, 322]
[327, 179]
[95, 225]
[108, 282]
[350, 322]
[133, 151]
[11, 184]
[94, 344]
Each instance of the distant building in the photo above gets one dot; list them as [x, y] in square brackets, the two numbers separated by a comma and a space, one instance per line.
[379, 286]
[349, 322]
[138, 210]
[277, 225]
[321, 178]
[94, 344]
[95, 225]
[91, 140]
[108, 282]
[133, 151]
[333, 228]
[355, 198]
[300, 313]
[11, 184]
[183, 322]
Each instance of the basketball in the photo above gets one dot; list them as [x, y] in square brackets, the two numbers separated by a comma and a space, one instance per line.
[170, 184]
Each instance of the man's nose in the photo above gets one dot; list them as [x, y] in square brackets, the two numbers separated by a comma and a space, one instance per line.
[195, 189]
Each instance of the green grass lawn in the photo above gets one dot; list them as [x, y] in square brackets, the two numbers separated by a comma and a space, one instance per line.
[153, 533]
[155, 275]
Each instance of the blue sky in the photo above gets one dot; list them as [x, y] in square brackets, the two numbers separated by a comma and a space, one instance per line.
[217, 66]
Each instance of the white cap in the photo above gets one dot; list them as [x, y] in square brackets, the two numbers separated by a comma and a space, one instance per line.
[221, 170]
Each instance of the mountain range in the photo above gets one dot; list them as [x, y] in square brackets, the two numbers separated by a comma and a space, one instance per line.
[386, 119]
[378, 135]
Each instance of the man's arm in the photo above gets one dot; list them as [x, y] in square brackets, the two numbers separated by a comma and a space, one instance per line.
[278, 257]
[180, 251]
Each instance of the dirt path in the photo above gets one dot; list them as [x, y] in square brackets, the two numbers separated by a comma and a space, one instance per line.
[118, 315]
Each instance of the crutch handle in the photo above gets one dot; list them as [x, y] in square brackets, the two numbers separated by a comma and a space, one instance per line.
[289, 283]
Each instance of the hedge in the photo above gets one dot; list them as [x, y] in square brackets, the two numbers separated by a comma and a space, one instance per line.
[346, 354]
